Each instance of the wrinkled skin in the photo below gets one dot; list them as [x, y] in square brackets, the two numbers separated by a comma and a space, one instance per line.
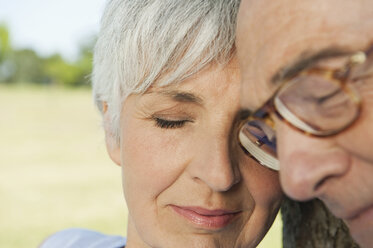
[338, 170]
[176, 150]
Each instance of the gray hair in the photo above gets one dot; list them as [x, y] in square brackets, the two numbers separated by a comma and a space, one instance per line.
[165, 41]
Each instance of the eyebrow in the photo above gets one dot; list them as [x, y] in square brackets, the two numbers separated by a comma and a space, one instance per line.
[181, 96]
[306, 60]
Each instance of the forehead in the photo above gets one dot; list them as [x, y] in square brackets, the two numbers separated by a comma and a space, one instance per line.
[273, 34]
[203, 86]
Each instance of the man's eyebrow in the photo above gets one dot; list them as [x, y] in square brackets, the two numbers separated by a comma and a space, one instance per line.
[306, 60]
[180, 96]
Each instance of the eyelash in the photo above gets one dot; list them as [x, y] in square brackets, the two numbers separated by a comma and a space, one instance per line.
[167, 124]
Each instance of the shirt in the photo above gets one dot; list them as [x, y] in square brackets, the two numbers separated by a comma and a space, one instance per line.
[83, 238]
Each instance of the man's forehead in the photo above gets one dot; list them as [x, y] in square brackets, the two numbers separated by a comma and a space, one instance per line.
[273, 26]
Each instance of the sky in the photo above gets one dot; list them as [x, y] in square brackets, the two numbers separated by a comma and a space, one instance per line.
[50, 26]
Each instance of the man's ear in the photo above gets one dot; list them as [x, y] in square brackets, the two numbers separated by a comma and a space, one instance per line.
[112, 147]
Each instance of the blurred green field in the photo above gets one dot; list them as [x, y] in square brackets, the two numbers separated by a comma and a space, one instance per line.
[55, 172]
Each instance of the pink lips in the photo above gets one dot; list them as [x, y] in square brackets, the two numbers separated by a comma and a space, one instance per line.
[207, 219]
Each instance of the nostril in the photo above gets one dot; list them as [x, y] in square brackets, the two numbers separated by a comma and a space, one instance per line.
[321, 183]
[236, 175]
[298, 186]
[304, 174]
[226, 183]
[218, 179]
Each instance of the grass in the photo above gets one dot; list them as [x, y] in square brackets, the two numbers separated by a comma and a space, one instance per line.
[55, 172]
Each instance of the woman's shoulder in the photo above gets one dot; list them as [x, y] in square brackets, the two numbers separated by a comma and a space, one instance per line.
[77, 237]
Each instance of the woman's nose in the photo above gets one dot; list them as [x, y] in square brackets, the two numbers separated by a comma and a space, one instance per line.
[214, 165]
[307, 163]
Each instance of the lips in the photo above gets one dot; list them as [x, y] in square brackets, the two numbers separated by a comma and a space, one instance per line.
[205, 218]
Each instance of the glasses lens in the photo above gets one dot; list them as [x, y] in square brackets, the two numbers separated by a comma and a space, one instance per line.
[259, 140]
[317, 105]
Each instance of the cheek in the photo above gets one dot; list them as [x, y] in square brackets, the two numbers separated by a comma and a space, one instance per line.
[266, 194]
[151, 159]
[263, 185]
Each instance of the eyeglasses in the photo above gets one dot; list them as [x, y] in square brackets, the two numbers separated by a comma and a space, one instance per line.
[316, 101]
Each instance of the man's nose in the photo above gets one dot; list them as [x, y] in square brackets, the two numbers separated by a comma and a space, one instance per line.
[214, 166]
[307, 163]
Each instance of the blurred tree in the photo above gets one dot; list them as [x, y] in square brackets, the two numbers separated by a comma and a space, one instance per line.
[22, 65]
[71, 74]
[5, 46]
[5, 51]
[84, 61]
[25, 66]
[60, 72]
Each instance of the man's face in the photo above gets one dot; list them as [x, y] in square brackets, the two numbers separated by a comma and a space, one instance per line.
[272, 36]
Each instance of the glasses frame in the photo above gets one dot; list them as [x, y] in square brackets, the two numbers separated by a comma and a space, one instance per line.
[340, 76]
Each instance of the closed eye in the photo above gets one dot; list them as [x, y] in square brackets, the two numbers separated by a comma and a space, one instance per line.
[169, 124]
[322, 99]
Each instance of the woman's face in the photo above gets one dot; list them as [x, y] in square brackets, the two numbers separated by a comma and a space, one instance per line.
[185, 180]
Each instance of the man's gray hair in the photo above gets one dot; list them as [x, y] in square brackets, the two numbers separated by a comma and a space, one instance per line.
[164, 41]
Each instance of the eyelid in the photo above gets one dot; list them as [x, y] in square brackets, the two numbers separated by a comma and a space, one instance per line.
[169, 124]
[172, 117]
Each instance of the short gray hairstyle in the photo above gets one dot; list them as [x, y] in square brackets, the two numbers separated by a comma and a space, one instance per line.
[164, 41]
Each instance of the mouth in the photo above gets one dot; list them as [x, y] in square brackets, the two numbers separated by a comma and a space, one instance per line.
[205, 218]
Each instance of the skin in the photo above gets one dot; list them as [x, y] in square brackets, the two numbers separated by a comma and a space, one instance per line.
[338, 170]
[193, 164]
